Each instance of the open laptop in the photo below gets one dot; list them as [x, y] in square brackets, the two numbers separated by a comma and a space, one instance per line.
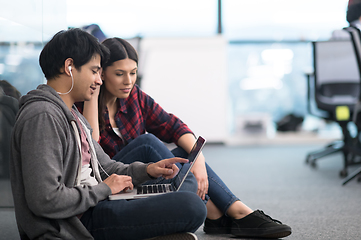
[144, 191]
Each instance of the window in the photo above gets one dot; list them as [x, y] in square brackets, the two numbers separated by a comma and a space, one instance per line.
[25, 25]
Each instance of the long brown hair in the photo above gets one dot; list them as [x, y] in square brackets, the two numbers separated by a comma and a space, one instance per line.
[119, 49]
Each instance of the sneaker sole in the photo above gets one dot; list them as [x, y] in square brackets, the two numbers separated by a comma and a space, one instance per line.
[177, 236]
[266, 233]
[216, 230]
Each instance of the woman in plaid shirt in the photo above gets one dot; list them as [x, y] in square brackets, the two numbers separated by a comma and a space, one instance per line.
[125, 113]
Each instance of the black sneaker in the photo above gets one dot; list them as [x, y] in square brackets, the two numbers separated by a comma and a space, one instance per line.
[221, 225]
[259, 225]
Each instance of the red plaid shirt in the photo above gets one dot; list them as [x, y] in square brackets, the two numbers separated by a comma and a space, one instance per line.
[137, 114]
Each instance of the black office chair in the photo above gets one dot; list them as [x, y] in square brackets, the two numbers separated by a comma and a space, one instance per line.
[334, 89]
[355, 148]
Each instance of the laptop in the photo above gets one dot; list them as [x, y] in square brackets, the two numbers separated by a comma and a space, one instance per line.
[144, 191]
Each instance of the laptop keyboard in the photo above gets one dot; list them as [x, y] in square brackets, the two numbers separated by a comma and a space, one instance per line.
[156, 188]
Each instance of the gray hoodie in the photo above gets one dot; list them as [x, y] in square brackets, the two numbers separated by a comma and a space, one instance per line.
[44, 168]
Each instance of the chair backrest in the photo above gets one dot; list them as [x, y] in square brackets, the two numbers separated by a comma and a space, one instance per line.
[355, 34]
[336, 74]
[335, 62]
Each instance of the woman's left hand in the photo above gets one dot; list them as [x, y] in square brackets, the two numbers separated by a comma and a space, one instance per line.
[186, 141]
[200, 173]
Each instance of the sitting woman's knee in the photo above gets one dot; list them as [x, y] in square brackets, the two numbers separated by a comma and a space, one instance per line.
[149, 138]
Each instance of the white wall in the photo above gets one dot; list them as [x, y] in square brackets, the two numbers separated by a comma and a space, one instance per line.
[187, 77]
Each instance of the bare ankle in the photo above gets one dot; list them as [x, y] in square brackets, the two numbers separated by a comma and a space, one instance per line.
[238, 210]
[212, 211]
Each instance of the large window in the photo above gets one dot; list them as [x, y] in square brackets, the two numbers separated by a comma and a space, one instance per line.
[155, 18]
[268, 50]
[268, 77]
[25, 25]
[281, 20]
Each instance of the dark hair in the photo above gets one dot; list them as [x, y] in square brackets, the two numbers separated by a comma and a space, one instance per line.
[119, 49]
[73, 43]
[9, 89]
[353, 10]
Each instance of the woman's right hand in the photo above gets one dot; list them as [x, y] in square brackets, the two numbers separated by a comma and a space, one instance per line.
[90, 112]
[118, 183]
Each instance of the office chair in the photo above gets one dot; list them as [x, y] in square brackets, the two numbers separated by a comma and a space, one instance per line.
[335, 92]
[356, 119]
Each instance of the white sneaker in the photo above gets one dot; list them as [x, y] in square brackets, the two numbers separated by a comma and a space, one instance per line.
[177, 236]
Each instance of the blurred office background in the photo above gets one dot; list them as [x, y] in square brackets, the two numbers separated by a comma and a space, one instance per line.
[234, 71]
[231, 69]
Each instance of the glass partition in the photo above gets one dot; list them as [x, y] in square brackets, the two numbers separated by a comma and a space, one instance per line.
[144, 18]
[270, 77]
[282, 20]
[270, 53]
[268, 37]
[25, 26]
[269, 40]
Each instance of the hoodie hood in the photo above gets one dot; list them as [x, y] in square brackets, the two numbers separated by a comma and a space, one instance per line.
[45, 93]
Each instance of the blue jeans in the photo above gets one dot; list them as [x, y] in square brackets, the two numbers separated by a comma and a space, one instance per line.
[218, 192]
[181, 211]
[145, 218]
[147, 148]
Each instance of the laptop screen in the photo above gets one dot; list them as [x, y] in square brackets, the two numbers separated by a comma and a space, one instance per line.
[193, 155]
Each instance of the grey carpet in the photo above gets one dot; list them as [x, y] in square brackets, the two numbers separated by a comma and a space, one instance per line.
[276, 180]
[6, 199]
